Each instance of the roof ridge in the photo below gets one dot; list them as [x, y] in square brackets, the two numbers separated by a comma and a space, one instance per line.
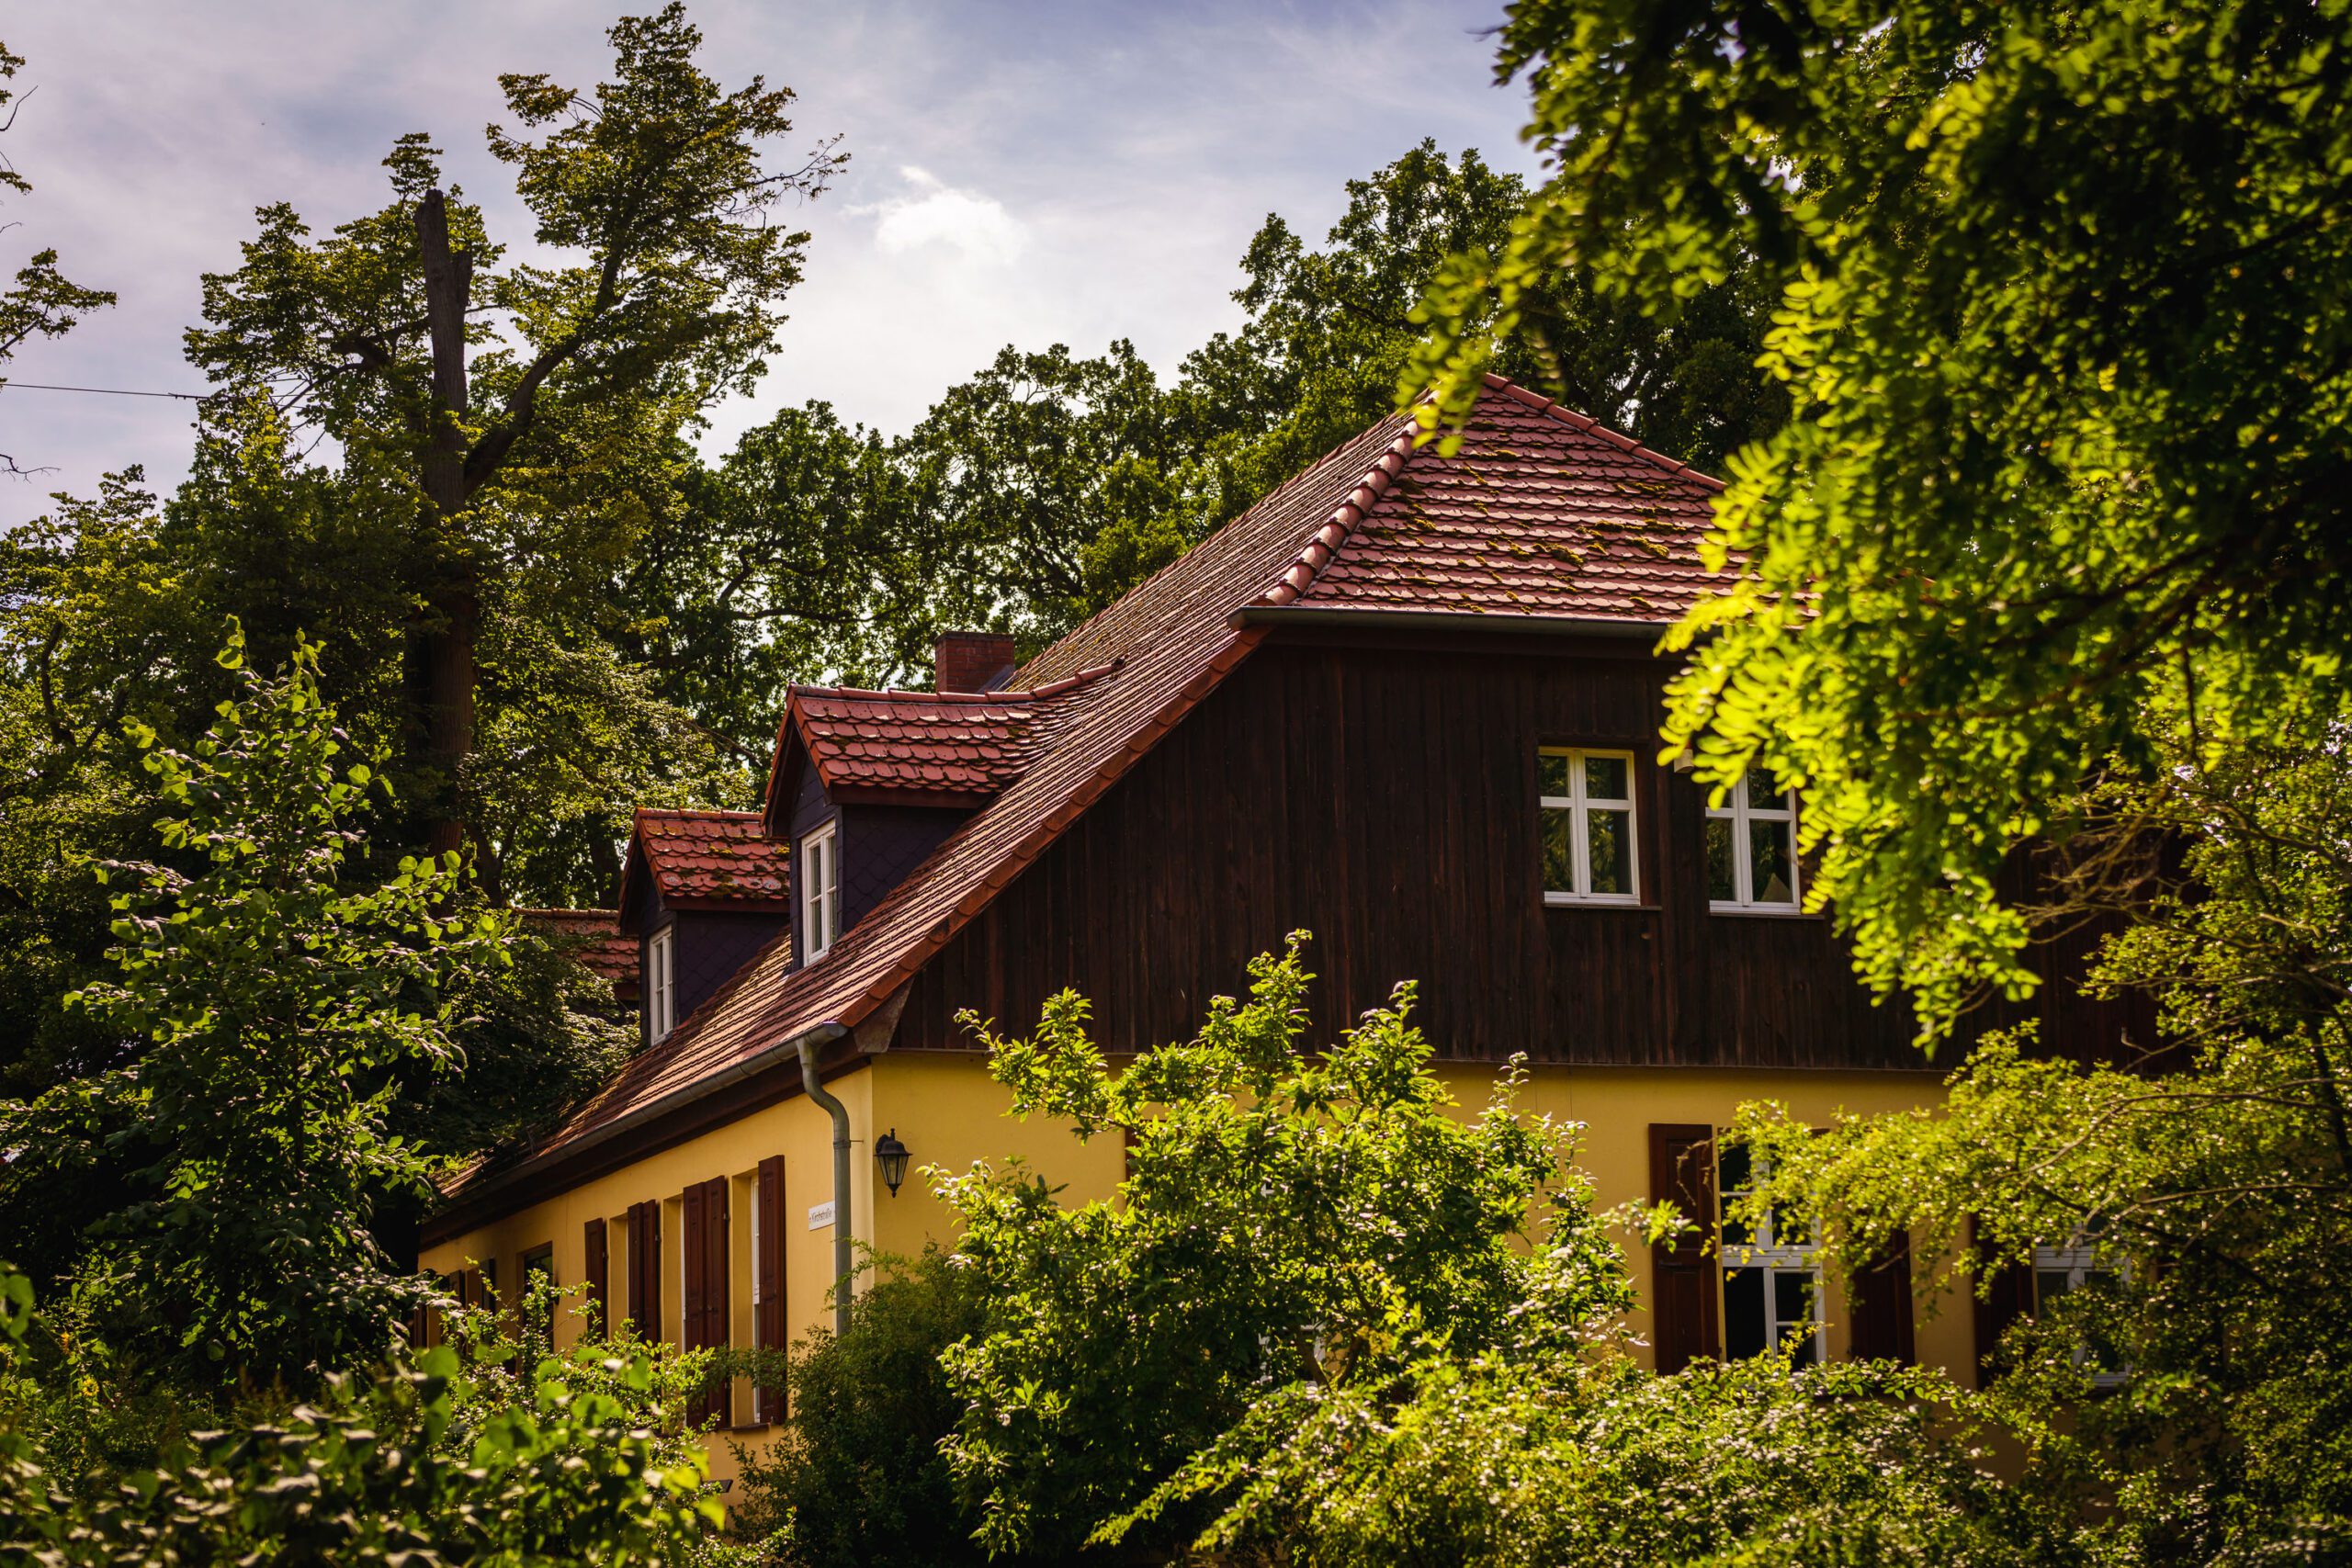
[609, 914]
[1325, 542]
[1008, 694]
[1591, 427]
[704, 811]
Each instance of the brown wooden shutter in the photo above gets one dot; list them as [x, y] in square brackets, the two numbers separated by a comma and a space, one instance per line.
[645, 1269]
[2009, 1297]
[703, 1320]
[597, 1270]
[1878, 1302]
[767, 1325]
[1682, 1273]
[690, 1276]
[718, 1288]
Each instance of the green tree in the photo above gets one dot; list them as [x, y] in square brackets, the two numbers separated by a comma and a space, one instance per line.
[2056, 293]
[475, 1453]
[41, 302]
[506, 402]
[2209, 1201]
[266, 1006]
[858, 1479]
[1290, 1219]
[1570, 1456]
[1330, 332]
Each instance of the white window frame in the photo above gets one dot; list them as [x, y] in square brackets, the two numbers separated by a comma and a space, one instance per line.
[660, 983]
[1580, 806]
[1774, 1254]
[821, 896]
[1742, 815]
[2078, 1260]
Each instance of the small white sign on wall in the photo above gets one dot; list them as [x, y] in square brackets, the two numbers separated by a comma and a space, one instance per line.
[821, 1215]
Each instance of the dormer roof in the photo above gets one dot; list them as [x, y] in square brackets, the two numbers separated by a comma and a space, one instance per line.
[704, 859]
[597, 944]
[927, 748]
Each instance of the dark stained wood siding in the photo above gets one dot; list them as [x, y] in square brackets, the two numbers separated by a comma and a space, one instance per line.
[1385, 798]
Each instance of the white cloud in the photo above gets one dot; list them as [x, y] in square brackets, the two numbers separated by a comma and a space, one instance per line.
[964, 220]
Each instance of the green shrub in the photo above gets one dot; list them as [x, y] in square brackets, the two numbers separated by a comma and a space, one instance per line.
[858, 1477]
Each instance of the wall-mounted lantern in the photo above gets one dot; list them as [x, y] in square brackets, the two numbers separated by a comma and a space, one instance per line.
[891, 1155]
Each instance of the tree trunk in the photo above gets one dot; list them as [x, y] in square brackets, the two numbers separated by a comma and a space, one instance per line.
[442, 660]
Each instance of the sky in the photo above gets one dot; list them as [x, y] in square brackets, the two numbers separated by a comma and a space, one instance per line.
[1024, 174]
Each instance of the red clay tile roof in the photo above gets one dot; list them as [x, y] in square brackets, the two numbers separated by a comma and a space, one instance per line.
[1563, 502]
[937, 744]
[1541, 512]
[704, 857]
[597, 944]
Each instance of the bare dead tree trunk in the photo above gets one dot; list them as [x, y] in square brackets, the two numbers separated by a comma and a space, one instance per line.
[443, 661]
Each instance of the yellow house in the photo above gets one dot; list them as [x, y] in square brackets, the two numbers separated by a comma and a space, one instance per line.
[1409, 702]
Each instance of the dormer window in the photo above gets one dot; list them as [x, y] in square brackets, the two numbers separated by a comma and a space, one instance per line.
[661, 987]
[821, 893]
[1587, 799]
[1752, 847]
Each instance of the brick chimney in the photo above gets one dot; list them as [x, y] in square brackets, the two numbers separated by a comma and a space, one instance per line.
[972, 661]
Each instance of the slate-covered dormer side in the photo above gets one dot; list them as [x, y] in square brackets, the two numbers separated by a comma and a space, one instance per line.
[702, 892]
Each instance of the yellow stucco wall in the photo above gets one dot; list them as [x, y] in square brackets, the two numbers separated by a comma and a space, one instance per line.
[949, 1113]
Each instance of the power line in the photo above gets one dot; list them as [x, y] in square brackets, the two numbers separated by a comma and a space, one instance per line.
[102, 391]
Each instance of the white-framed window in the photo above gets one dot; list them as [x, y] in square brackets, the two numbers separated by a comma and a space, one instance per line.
[1587, 799]
[1752, 847]
[1771, 1277]
[2062, 1272]
[661, 982]
[821, 893]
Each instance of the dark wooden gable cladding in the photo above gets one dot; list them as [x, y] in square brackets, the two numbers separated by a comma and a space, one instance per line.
[1384, 797]
[702, 1315]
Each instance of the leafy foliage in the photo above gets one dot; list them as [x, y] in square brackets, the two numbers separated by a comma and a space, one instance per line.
[858, 1477]
[449, 1457]
[2218, 1191]
[1519, 1457]
[266, 1006]
[1289, 1219]
[2055, 299]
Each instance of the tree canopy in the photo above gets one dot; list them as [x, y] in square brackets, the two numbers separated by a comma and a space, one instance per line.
[2056, 294]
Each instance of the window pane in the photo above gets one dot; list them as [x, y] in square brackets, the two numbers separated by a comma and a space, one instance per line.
[1552, 773]
[1764, 790]
[1744, 1329]
[1721, 886]
[1769, 872]
[2049, 1284]
[1792, 1298]
[1733, 1174]
[1610, 847]
[1604, 778]
[1559, 865]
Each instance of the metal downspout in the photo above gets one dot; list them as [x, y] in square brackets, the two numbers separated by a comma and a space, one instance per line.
[842, 1243]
